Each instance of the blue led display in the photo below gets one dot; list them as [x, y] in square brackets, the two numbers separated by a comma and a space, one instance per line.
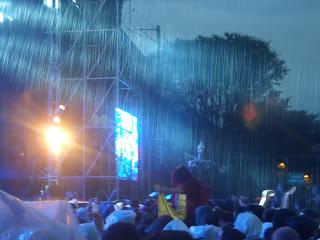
[126, 145]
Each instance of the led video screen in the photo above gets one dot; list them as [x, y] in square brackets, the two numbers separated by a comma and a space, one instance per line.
[126, 145]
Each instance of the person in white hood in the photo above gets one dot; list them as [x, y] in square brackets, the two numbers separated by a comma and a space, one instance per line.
[249, 224]
[126, 216]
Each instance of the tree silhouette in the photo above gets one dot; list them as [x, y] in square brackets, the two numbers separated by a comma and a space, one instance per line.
[216, 76]
[232, 82]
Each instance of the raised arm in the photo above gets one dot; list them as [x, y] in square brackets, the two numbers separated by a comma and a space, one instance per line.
[286, 197]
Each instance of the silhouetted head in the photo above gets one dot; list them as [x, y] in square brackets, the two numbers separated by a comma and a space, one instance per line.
[180, 176]
[268, 233]
[227, 205]
[304, 226]
[256, 210]
[232, 234]
[281, 216]
[214, 218]
[120, 231]
[269, 215]
[202, 214]
[241, 209]
[285, 233]
[310, 213]
[82, 215]
[145, 221]
[226, 218]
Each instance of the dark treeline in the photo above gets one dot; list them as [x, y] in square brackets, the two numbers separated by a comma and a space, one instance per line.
[225, 91]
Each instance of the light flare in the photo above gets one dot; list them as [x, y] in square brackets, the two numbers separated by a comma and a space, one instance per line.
[56, 139]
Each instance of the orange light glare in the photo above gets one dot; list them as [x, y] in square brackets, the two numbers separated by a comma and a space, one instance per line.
[307, 179]
[250, 112]
[282, 165]
[56, 139]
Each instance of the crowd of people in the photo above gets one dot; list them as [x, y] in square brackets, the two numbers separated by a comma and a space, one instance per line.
[228, 219]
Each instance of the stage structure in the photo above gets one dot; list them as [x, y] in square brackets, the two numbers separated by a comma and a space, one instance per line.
[84, 89]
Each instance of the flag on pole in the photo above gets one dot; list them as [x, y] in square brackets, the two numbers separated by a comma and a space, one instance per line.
[165, 209]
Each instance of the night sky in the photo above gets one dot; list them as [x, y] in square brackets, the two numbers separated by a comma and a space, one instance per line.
[292, 27]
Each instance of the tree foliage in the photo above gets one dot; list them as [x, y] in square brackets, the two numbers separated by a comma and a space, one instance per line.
[221, 77]
[216, 75]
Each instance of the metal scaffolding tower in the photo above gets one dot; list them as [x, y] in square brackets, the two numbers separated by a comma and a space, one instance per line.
[84, 75]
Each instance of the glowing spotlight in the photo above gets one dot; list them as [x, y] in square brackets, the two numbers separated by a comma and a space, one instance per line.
[57, 4]
[56, 139]
[52, 3]
[307, 179]
[56, 119]
[282, 165]
[48, 3]
[1, 17]
[62, 107]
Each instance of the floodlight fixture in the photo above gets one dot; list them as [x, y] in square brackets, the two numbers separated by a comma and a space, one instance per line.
[56, 139]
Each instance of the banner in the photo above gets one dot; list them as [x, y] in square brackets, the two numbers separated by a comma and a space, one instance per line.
[166, 209]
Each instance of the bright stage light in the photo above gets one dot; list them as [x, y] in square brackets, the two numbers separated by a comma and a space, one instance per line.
[62, 107]
[56, 119]
[56, 139]
[1, 17]
[307, 179]
[282, 165]
[48, 3]
[52, 3]
[57, 4]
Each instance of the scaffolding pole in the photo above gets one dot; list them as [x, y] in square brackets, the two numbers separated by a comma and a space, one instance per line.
[111, 96]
